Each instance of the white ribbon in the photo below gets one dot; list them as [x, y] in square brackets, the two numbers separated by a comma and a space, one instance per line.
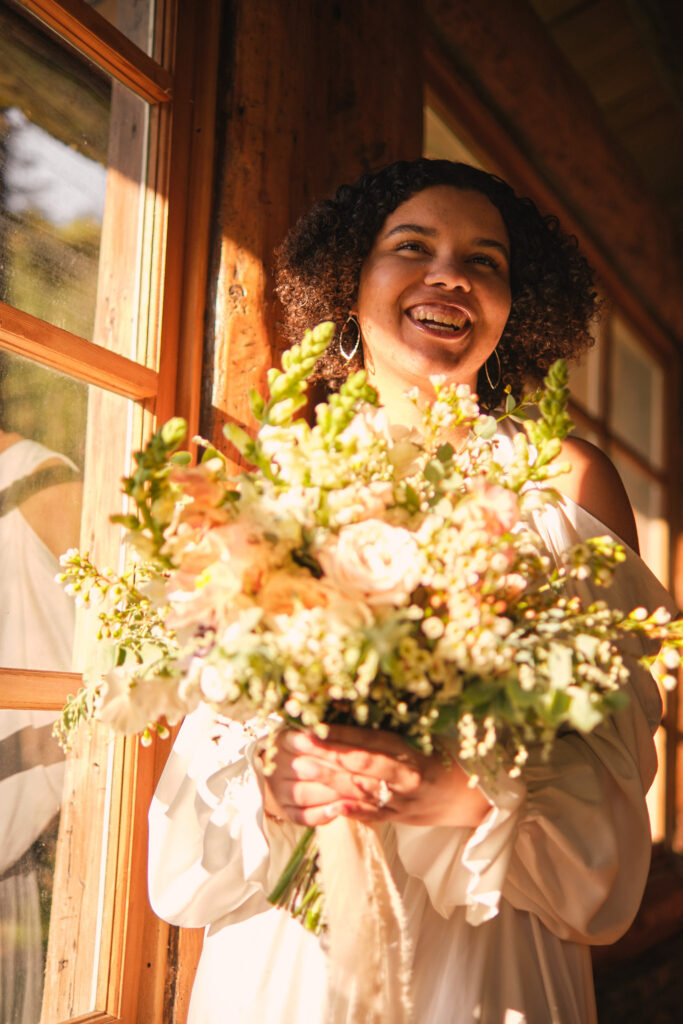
[369, 952]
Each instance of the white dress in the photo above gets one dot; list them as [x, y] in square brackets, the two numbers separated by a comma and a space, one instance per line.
[500, 917]
[36, 632]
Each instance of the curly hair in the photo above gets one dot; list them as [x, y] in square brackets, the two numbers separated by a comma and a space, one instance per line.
[318, 266]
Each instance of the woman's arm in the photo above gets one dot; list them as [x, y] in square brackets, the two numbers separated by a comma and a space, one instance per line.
[594, 484]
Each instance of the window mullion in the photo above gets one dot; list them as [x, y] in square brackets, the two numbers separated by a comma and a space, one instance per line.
[28, 689]
[36, 339]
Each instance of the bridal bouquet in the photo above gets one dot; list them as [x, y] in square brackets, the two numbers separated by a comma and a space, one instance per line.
[360, 573]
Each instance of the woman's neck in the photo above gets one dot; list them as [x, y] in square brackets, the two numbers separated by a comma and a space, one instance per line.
[394, 394]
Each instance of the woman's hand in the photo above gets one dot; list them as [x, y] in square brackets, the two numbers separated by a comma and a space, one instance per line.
[369, 776]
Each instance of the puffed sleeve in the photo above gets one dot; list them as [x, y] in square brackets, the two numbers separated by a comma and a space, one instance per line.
[212, 849]
[571, 842]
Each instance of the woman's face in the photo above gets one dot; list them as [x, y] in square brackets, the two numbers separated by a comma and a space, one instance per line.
[434, 291]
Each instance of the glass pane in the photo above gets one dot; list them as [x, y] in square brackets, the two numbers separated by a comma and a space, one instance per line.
[54, 836]
[55, 492]
[31, 784]
[584, 380]
[79, 935]
[647, 498]
[636, 394]
[73, 158]
[135, 18]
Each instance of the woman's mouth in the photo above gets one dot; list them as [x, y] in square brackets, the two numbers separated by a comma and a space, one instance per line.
[440, 321]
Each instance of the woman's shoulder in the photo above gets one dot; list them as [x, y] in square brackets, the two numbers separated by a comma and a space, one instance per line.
[594, 483]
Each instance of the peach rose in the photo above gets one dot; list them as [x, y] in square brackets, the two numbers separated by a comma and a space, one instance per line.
[489, 507]
[372, 561]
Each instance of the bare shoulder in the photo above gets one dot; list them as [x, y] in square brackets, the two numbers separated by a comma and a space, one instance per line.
[594, 484]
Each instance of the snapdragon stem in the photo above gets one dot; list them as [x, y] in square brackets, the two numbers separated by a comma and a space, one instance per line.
[293, 865]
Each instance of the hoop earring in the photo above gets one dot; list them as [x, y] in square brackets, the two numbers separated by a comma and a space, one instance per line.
[350, 325]
[500, 371]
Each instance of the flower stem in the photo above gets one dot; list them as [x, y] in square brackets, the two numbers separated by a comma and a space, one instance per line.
[293, 865]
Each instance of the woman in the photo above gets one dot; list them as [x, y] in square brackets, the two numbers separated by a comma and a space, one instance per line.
[444, 270]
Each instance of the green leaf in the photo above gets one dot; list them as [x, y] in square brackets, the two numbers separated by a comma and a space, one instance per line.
[434, 472]
[257, 403]
[181, 458]
[130, 522]
[238, 437]
[173, 431]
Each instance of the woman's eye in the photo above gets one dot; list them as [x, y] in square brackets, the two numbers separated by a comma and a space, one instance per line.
[485, 260]
[410, 246]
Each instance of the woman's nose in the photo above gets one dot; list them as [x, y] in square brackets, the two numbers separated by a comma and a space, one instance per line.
[447, 273]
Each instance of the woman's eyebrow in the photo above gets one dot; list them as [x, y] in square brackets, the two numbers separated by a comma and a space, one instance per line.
[419, 229]
[492, 243]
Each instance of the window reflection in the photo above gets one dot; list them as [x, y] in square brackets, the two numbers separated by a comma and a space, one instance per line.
[73, 166]
[40, 509]
[54, 128]
[42, 434]
[31, 780]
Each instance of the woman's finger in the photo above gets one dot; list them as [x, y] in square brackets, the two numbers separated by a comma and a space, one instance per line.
[397, 764]
[325, 813]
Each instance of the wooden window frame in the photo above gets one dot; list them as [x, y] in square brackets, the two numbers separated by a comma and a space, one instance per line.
[182, 86]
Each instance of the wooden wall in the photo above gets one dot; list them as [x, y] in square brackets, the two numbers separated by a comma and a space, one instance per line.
[316, 93]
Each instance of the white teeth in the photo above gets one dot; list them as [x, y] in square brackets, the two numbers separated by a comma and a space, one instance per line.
[457, 322]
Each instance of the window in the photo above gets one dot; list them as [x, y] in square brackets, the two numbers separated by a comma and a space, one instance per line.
[104, 128]
[618, 395]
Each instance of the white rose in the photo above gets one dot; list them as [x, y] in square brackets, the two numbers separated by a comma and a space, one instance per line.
[127, 704]
[372, 561]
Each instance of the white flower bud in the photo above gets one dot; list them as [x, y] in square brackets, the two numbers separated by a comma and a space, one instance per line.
[671, 658]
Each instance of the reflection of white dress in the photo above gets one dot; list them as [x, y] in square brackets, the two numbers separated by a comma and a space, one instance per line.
[501, 917]
[36, 632]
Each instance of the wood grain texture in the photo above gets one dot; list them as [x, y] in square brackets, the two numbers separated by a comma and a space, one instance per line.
[34, 338]
[318, 94]
[31, 690]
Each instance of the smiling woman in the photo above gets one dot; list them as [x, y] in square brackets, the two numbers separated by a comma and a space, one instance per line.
[551, 294]
[504, 886]
[434, 293]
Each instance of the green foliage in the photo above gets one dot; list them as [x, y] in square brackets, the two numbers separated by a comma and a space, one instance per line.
[554, 424]
[78, 710]
[150, 488]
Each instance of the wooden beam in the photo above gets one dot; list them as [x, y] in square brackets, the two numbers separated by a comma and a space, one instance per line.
[29, 690]
[35, 339]
[93, 35]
